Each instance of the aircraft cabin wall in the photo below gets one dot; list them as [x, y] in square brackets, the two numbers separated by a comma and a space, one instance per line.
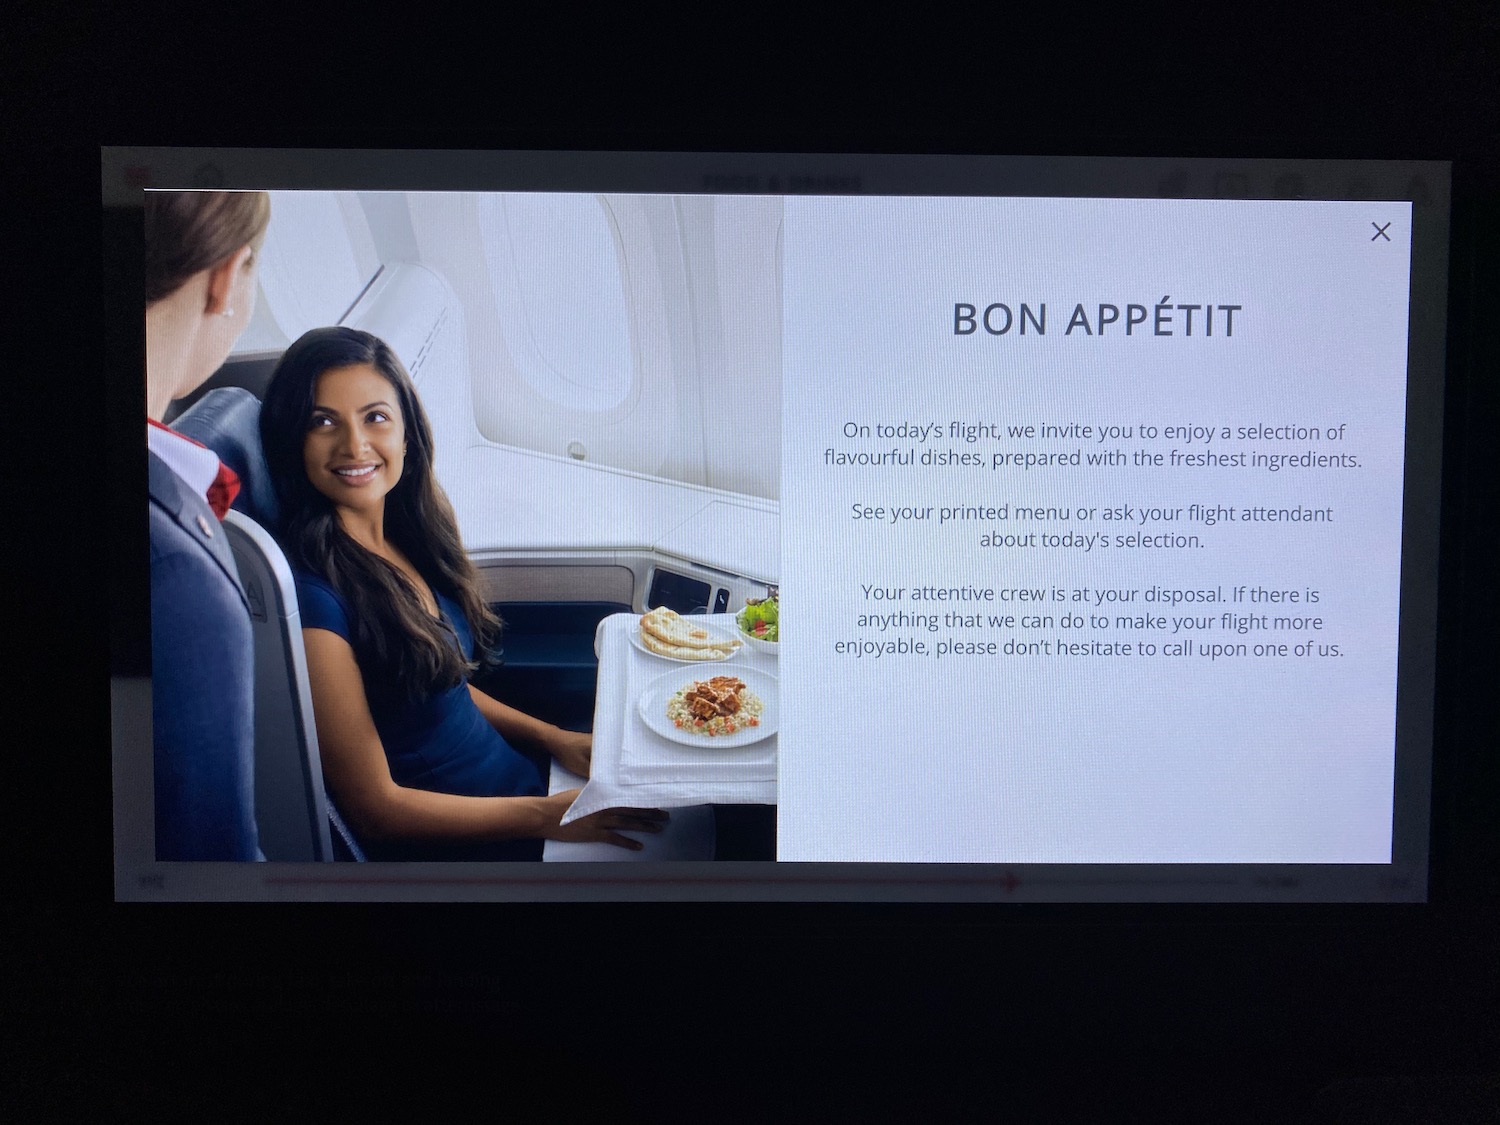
[602, 372]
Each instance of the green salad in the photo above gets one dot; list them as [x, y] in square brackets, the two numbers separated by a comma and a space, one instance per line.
[759, 619]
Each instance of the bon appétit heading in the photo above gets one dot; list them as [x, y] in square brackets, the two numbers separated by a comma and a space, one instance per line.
[1164, 318]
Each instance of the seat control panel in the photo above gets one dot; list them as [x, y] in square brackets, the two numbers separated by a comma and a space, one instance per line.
[679, 592]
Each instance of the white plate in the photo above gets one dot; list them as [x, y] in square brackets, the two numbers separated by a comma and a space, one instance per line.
[716, 634]
[653, 708]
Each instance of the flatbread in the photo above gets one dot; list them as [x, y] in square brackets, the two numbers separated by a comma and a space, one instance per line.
[671, 628]
[683, 652]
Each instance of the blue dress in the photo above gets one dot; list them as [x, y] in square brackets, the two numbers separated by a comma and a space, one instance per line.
[442, 744]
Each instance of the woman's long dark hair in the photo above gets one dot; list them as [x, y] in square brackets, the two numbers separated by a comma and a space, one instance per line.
[397, 645]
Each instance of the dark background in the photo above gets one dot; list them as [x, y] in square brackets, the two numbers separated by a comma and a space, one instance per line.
[691, 1011]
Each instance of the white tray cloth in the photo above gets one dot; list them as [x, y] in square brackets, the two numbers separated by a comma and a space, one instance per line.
[689, 835]
[634, 766]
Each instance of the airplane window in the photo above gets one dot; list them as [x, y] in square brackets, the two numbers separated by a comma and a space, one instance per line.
[556, 271]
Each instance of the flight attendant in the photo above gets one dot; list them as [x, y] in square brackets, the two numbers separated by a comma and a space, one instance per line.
[201, 255]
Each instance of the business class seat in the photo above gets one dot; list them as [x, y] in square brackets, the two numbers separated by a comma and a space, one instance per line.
[297, 822]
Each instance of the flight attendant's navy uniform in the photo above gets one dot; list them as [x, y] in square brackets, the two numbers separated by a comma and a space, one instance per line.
[202, 680]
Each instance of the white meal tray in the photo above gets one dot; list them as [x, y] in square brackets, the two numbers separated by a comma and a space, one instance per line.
[635, 767]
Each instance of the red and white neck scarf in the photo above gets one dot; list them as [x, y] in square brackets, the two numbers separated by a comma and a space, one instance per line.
[196, 464]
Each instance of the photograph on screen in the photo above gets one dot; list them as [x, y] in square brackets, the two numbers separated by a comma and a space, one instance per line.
[579, 395]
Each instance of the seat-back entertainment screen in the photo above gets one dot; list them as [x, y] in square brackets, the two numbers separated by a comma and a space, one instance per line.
[1099, 498]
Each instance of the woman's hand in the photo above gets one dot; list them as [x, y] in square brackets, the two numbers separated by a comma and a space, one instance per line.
[605, 826]
[572, 749]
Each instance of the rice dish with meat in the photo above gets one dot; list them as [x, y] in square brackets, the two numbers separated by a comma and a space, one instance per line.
[721, 705]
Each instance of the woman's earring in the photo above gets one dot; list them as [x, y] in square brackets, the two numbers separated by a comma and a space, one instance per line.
[227, 312]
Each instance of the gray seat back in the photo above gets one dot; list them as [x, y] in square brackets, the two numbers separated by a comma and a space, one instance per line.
[291, 810]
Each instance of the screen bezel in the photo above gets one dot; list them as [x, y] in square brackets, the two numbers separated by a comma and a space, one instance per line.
[895, 175]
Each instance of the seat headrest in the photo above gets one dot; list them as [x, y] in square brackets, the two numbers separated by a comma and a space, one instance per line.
[227, 420]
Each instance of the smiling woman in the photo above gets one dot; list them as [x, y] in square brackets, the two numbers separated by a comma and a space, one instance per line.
[355, 449]
[423, 764]
[350, 453]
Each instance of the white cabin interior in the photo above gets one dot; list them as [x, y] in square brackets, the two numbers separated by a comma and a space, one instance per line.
[602, 372]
